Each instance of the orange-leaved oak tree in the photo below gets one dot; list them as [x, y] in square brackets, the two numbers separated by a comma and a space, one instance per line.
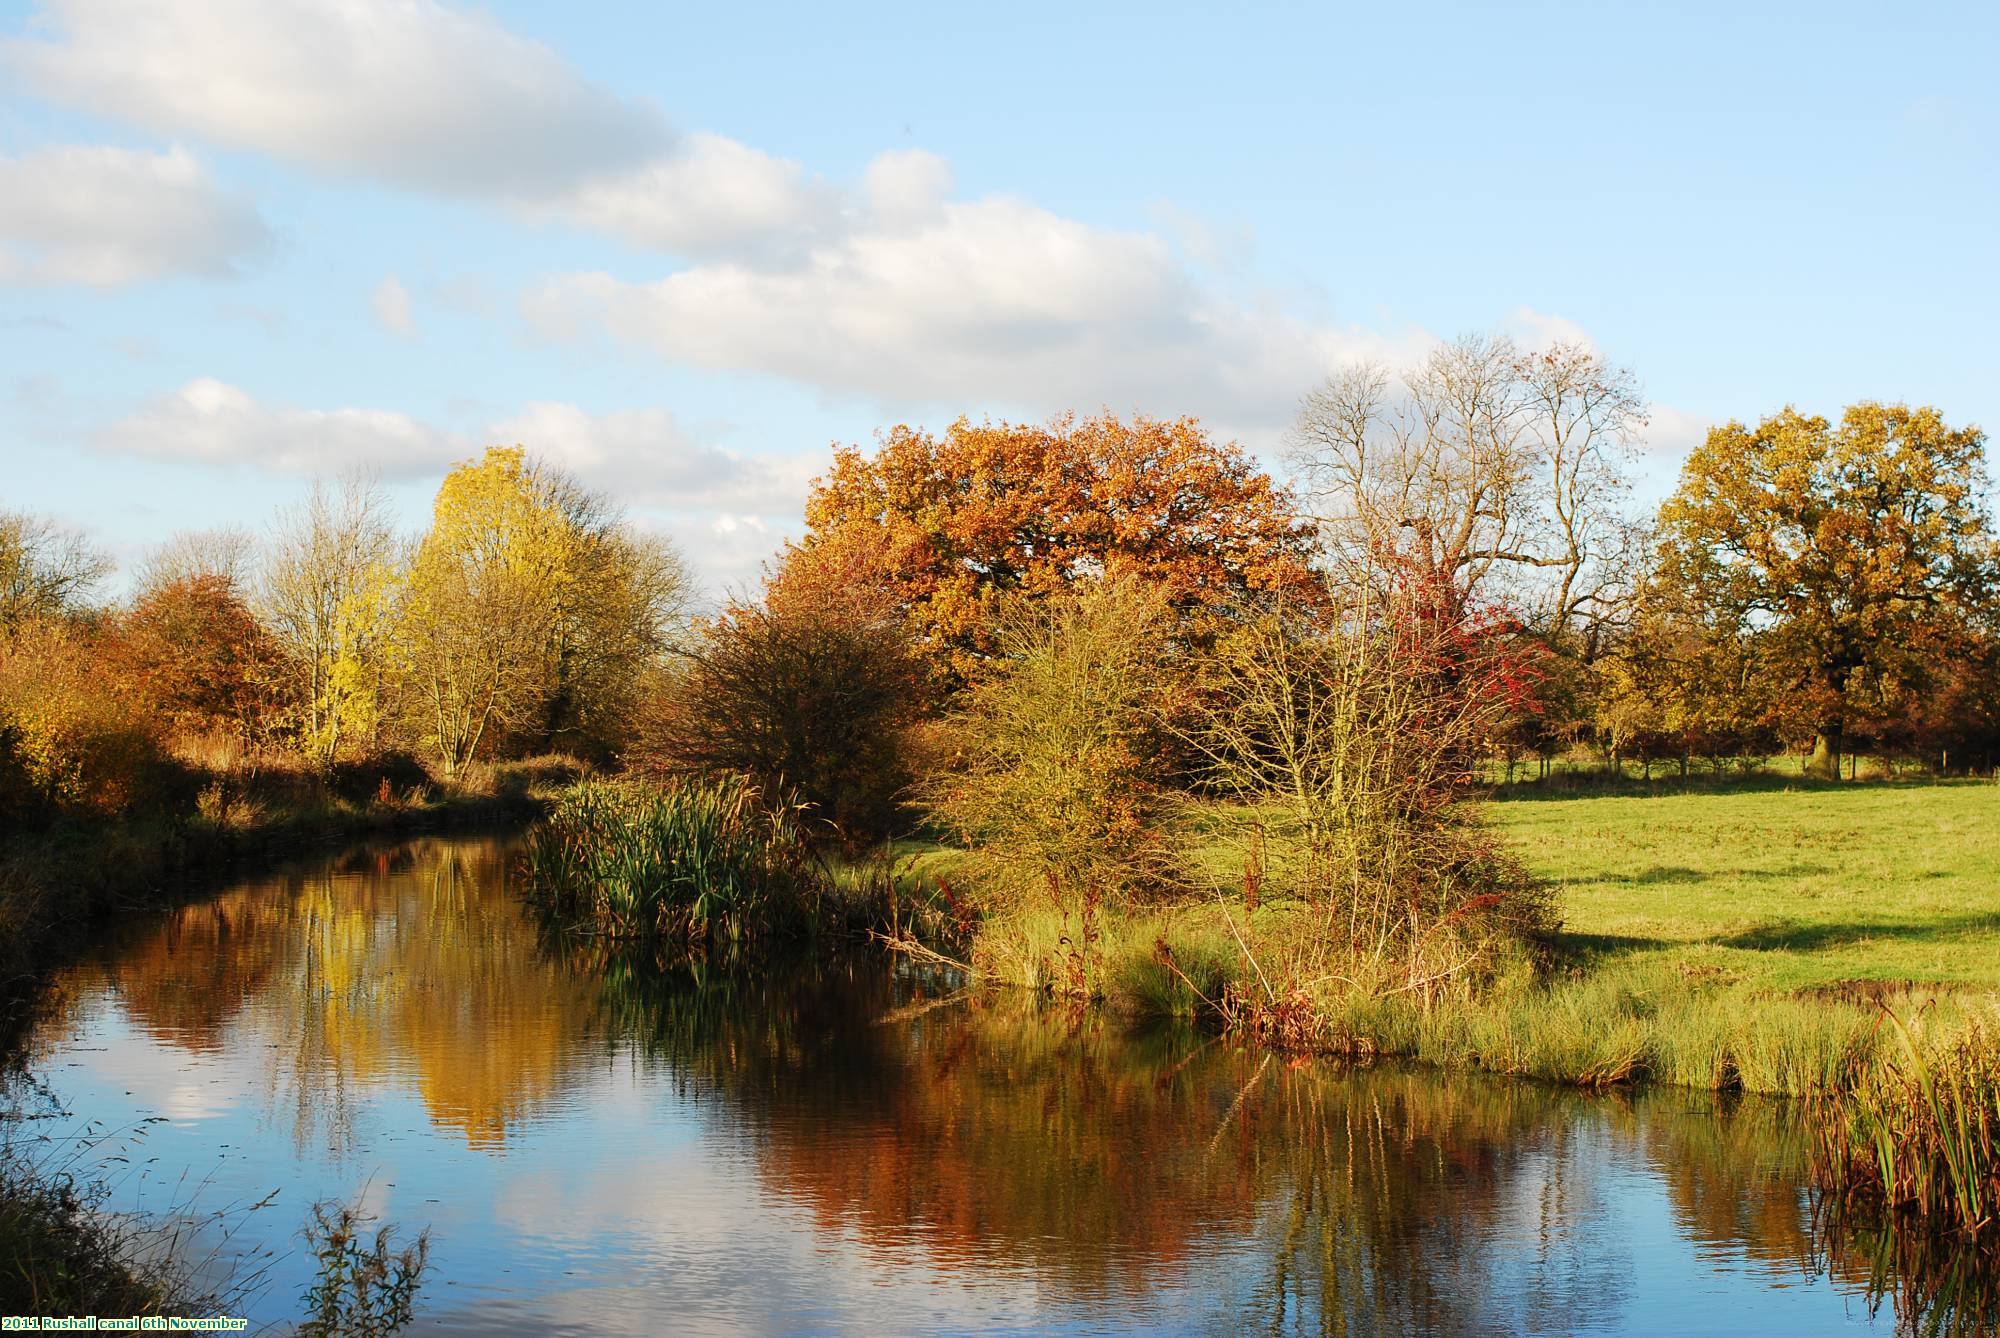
[1849, 555]
[982, 514]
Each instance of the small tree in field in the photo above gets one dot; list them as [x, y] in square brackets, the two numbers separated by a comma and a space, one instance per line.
[1351, 743]
[1049, 775]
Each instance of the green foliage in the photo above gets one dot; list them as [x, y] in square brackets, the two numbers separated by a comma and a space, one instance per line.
[362, 1288]
[687, 862]
[1050, 773]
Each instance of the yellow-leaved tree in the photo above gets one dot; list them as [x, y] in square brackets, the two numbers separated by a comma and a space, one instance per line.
[529, 610]
[329, 592]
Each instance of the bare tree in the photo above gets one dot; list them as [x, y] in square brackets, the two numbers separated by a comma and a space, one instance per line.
[1495, 467]
[45, 568]
[229, 554]
[325, 595]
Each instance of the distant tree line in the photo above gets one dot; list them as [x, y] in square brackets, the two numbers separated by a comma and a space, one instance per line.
[1816, 586]
[529, 617]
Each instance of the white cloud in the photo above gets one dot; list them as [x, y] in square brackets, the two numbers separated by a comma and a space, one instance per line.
[405, 91]
[393, 309]
[711, 196]
[106, 216]
[213, 422]
[1671, 433]
[927, 301]
[644, 457]
[1539, 330]
[887, 288]
[420, 96]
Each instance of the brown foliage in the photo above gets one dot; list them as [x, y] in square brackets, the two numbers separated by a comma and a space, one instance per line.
[981, 512]
[807, 695]
[192, 649]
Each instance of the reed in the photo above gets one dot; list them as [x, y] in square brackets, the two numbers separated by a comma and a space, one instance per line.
[689, 862]
[1914, 1138]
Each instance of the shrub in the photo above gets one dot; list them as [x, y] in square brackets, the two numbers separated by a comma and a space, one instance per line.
[807, 695]
[1048, 770]
[1347, 745]
[73, 739]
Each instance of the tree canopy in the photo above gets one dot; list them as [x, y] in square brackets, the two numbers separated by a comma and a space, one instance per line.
[983, 512]
[1850, 558]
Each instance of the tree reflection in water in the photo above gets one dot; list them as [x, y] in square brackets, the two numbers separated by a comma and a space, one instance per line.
[977, 1130]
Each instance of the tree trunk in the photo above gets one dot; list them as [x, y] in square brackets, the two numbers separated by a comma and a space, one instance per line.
[1825, 760]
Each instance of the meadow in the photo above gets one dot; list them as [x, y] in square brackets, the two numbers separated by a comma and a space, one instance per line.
[1752, 932]
[1775, 884]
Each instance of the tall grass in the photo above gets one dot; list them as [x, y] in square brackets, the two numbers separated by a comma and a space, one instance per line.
[1916, 1136]
[689, 862]
[64, 1251]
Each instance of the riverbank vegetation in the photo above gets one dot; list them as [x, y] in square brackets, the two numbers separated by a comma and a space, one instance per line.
[326, 680]
[689, 864]
[1136, 722]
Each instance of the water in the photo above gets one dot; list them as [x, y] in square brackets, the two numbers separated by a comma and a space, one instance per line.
[602, 1148]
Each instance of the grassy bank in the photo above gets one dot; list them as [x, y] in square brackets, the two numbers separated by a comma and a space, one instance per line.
[1738, 935]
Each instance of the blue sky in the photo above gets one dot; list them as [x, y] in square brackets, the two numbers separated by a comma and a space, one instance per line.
[683, 250]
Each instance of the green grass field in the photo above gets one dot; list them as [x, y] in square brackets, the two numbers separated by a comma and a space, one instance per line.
[1713, 935]
[1777, 887]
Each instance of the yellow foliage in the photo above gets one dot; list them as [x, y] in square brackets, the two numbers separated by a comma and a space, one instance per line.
[75, 740]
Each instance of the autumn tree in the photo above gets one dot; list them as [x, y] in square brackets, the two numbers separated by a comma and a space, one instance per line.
[197, 656]
[45, 569]
[1852, 557]
[527, 607]
[1496, 467]
[807, 693]
[986, 513]
[616, 594]
[329, 585]
[1678, 685]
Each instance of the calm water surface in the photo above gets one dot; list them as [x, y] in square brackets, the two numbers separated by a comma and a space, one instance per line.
[602, 1149]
